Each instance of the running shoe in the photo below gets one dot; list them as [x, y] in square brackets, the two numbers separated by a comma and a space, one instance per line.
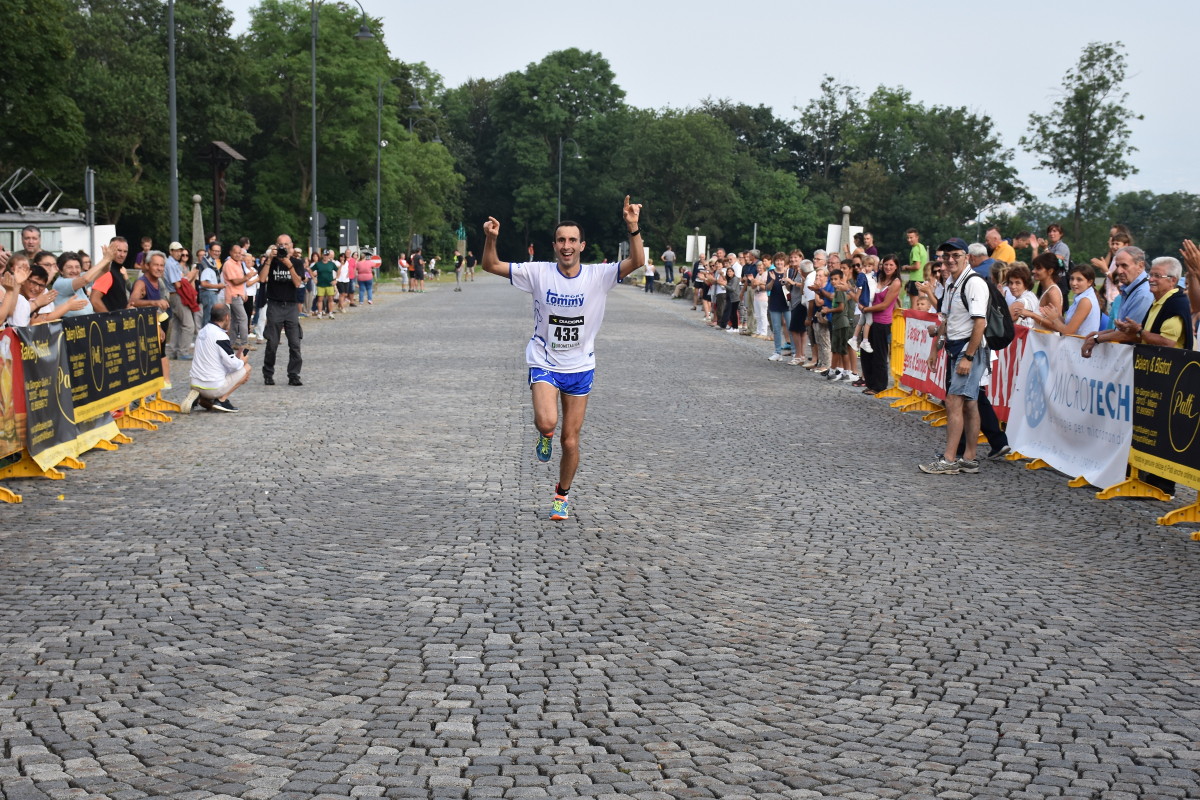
[775, 357]
[970, 465]
[544, 447]
[866, 347]
[940, 466]
[561, 509]
[999, 452]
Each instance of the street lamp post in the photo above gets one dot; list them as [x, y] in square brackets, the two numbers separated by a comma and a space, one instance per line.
[379, 145]
[558, 209]
[172, 123]
[363, 33]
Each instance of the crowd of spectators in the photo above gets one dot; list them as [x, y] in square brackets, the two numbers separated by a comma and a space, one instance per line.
[831, 313]
[220, 286]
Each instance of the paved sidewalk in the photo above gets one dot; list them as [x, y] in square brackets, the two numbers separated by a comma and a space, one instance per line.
[351, 588]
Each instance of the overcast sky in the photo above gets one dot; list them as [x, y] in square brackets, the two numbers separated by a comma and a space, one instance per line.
[1000, 60]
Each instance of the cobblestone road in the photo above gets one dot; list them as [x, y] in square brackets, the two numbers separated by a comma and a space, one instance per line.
[351, 589]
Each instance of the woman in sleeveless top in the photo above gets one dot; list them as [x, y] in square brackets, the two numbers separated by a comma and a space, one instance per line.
[1083, 317]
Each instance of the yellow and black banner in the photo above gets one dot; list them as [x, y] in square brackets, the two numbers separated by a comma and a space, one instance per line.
[50, 417]
[115, 358]
[1166, 413]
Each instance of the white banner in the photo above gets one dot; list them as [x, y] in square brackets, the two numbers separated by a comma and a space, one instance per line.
[1074, 413]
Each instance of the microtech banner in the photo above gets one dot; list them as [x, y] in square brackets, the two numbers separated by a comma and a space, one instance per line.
[1074, 413]
[115, 358]
[1166, 413]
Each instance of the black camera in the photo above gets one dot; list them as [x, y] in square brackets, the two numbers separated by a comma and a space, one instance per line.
[912, 289]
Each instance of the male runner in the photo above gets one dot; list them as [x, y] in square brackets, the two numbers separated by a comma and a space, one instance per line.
[568, 307]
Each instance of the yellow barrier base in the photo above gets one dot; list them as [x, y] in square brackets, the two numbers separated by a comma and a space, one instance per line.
[1196, 536]
[28, 468]
[7, 496]
[1132, 487]
[158, 404]
[121, 438]
[1014, 456]
[70, 462]
[1037, 463]
[104, 444]
[892, 393]
[129, 422]
[1186, 514]
[1078, 483]
[148, 415]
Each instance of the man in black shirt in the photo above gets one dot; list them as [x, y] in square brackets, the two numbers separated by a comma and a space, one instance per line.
[280, 276]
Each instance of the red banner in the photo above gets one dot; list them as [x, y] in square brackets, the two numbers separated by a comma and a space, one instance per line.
[1004, 374]
[917, 343]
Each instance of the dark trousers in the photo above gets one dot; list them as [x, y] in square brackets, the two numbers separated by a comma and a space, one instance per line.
[875, 365]
[650, 283]
[989, 425]
[669, 269]
[283, 316]
[729, 316]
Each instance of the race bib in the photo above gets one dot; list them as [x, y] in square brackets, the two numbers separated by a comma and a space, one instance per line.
[564, 332]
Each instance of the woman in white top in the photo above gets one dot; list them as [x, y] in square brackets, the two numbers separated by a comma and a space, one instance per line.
[1046, 271]
[1083, 317]
[1020, 286]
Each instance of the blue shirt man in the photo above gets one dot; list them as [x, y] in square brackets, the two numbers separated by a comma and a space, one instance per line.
[1136, 297]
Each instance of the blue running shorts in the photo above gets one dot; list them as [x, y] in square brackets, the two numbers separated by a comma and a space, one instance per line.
[576, 384]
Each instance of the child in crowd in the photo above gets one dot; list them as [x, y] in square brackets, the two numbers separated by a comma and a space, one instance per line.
[920, 303]
[840, 326]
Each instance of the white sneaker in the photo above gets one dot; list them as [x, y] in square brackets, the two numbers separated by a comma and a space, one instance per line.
[866, 347]
[186, 406]
[833, 375]
[853, 343]
[775, 357]
[849, 377]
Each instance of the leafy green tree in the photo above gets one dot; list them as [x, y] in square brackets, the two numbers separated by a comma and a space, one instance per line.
[822, 144]
[1160, 222]
[41, 127]
[1085, 139]
[531, 110]
[682, 163]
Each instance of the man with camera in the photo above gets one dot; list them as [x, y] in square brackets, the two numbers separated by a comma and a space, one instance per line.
[282, 274]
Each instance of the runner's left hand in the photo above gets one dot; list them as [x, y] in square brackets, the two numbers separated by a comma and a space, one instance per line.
[631, 212]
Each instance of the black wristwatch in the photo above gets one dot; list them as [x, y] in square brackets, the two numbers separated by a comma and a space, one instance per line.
[968, 356]
[638, 232]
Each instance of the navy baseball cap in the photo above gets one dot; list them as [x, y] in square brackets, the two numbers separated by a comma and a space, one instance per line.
[953, 244]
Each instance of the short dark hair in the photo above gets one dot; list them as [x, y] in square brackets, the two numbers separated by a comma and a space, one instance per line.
[1021, 273]
[837, 273]
[66, 256]
[1054, 226]
[39, 255]
[913, 230]
[32, 228]
[38, 271]
[570, 223]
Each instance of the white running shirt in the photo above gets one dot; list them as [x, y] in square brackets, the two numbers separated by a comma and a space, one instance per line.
[567, 312]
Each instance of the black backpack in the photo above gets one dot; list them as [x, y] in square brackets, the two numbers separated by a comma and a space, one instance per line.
[999, 332]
